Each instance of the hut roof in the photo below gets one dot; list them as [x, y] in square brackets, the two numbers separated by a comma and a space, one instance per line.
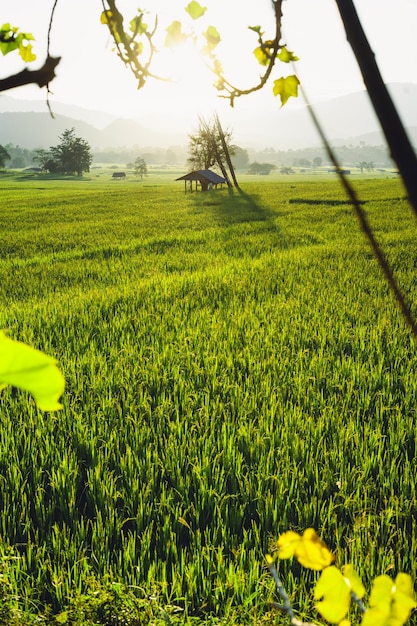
[206, 175]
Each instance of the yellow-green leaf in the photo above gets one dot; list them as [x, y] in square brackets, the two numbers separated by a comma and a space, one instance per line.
[137, 26]
[403, 599]
[212, 36]
[311, 552]
[261, 56]
[390, 602]
[286, 87]
[105, 17]
[355, 582]
[286, 56]
[26, 53]
[175, 36]
[31, 370]
[11, 39]
[195, 10]
[256, 29]
[287, 544]
[335, 591]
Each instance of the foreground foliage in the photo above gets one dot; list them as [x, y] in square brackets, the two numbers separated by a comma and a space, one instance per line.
[235, 367]
[390, 602]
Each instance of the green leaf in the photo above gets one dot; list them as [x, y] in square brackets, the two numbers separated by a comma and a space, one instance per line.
[195, 10]
[31, 370]
[286, 56]
[105, 17]
[256, 29]
[261, 56]
[390, 602]
[11, 39]
[175, 36]
[213, 38]
[286, 87]
[8, 41]
[335, 591]
[308, 549]
[27, 54]
[137, 26]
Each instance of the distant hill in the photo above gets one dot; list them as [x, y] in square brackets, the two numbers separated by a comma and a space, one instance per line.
[99, 119]
[346, 119]
[40, 130]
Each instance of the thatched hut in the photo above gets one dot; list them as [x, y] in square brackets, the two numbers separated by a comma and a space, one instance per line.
[205, 178]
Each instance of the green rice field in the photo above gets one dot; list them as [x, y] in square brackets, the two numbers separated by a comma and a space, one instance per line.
[235, 367]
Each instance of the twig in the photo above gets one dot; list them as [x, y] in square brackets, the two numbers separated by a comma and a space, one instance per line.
[286, 607]
[364, 224]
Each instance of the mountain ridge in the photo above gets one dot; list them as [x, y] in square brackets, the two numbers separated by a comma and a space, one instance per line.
[346, 119]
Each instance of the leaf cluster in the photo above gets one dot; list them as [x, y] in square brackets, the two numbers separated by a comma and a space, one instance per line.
[390, 602]
[134, 45]
[11, 38]
[130, 48]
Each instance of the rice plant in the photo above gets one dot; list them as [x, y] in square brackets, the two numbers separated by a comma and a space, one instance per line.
[235, 367]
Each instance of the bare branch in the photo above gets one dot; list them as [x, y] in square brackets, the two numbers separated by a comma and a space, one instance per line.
[41, 77]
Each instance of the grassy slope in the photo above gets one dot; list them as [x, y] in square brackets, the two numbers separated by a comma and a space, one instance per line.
[235, 366]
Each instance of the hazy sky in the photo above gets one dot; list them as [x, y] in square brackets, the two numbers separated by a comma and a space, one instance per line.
[91, 75]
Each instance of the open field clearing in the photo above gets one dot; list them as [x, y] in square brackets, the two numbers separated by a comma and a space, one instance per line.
[235, 366]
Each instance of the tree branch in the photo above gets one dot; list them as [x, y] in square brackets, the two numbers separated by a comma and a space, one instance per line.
[234, 92]
[364, 224]
[399, 144]
[41, 77]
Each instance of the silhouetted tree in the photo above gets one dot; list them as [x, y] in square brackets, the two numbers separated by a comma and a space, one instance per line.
[4, 156]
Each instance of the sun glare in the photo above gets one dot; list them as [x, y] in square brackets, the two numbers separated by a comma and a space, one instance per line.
[189, 77]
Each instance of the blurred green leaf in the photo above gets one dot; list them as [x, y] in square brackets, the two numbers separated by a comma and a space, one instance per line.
[195, 10]
[105, 17]
[335, 591]
[175, 36]
[261, 56]
[256, 29]
[354, 580]
[391, 602]
[286, 56]
[213, 38]
[26, 53]
[11, 39]
[31, 370]
[137, 26]
[286, 87]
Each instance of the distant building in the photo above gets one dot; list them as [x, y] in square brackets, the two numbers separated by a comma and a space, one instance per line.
[118, 175]
[205, 178]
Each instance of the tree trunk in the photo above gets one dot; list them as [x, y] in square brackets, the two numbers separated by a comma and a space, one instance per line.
[226, 150]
